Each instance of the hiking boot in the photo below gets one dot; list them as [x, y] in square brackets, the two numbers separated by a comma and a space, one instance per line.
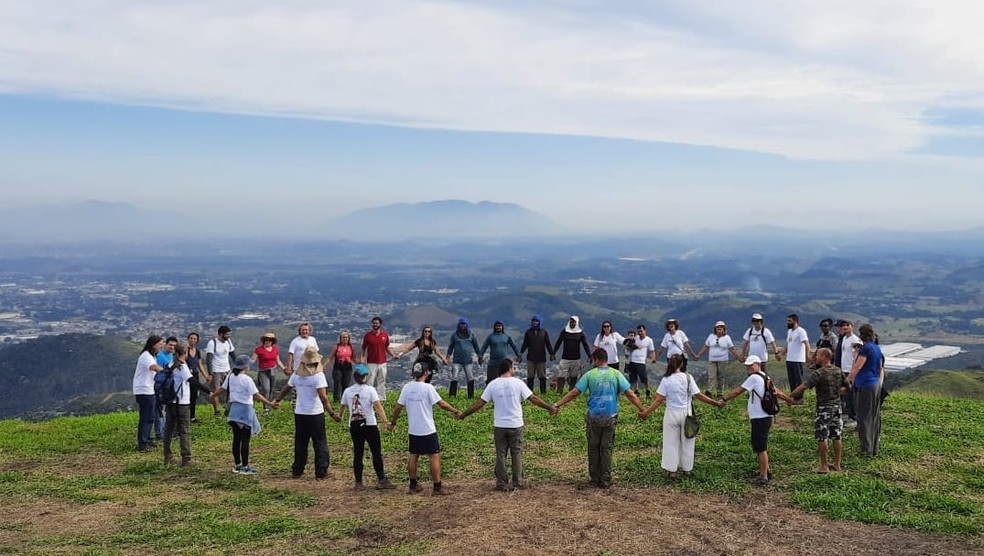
[248, 470]
[440, 492]
[414, 489]
[185, 462]
[359, 486]
[501, 488]
[385, 484]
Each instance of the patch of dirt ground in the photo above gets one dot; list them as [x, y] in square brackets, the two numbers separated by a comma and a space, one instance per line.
[545, 520]
[563, 519]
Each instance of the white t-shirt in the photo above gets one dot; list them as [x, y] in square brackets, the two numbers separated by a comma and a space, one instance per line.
[181, 377]
[361, 396]
[143, 377]
[220, 354]
[678, 388]
[847, 352]
[758, 342]
[610, 344]
[718, 347]
[507, 393]
[795, 347]
[673, 343]
[755, 385]
[240, 387]
[419, 398]
[645, 347]
[297, 347]
[308, 400]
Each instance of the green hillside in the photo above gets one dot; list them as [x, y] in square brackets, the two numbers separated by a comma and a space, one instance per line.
[926, 484]
[957, 384]
[40, 375]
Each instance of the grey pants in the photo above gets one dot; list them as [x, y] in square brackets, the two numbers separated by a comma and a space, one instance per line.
[511, 441]
[715, 375]
[601, 440]
[868, 411]
[264, 382]
[178, 421]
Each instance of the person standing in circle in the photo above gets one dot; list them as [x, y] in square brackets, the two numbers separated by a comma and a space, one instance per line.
[341, 359]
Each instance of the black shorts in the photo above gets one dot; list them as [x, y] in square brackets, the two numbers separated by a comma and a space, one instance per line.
[638, 373]
[424, 445]
[760, 434]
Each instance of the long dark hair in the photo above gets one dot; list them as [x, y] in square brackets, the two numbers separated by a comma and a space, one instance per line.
[152, 341]
[673, 364]
[611, 329]
[420, 341]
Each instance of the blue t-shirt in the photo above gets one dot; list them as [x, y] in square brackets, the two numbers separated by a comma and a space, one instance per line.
[603, 386]
[164, 359]
[871, 371]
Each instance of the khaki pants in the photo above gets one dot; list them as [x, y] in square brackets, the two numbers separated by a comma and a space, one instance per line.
[601, 441]
[511, 441]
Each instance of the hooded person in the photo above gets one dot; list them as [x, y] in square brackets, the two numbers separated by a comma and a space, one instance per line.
[498, 344]
[311, 385]
[460, 355]
[569, 343]
[536, 345]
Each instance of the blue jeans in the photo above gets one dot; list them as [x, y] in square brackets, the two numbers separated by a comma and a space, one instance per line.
[147, 405]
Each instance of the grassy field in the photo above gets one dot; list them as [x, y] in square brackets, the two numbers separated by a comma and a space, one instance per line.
[77, 486]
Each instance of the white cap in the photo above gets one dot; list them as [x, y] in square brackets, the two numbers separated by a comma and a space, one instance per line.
[757, 316]
[752, 359]
[720, 323]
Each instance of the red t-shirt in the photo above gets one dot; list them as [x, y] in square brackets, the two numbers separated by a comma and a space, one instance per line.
[344, 353]
[266, 359]
[375, 346]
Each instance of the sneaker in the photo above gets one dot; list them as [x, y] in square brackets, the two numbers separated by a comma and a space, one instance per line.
[359, 486]
[248, 470]
[385, 484]
[501, 488]
[238, 468]
[850, 424]
[762, 481]
[414, 489]
[443, 491]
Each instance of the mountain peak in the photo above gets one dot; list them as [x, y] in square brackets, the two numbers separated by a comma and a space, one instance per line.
[450, 218]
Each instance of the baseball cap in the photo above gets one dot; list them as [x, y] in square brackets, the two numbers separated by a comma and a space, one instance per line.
[361, 369]
[752, 359]
[242, 362]
[757, 316]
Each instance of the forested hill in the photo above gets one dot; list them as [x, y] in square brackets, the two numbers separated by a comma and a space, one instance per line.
[39, 376]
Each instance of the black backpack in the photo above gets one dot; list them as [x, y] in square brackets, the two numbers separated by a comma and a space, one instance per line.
[770, 402]
[164, 389]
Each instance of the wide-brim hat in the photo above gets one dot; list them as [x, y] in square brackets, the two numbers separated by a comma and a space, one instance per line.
[310, 363]
[269, 336]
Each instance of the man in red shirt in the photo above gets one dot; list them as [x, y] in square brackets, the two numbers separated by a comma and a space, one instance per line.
[375, 348]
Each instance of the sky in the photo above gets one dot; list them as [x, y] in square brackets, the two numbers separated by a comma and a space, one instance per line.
[597, 114]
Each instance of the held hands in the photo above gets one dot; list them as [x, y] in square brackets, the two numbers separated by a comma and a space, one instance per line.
[389, 426]
[274, 404]
[337, 416]
[554, 410]
[643, 415]
[721, 403]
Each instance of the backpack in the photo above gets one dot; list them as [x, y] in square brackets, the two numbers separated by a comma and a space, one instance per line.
[770, 402]
[164, 389]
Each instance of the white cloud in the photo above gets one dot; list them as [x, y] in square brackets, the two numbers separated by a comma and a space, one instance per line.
[821, 80]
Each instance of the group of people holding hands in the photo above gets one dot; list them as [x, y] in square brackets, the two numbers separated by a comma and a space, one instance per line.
[358, 386]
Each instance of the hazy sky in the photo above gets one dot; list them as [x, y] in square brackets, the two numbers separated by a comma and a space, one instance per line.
[699, 114]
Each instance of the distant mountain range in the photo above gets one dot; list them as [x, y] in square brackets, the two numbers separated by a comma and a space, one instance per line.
[447, 220]
[484, 223]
